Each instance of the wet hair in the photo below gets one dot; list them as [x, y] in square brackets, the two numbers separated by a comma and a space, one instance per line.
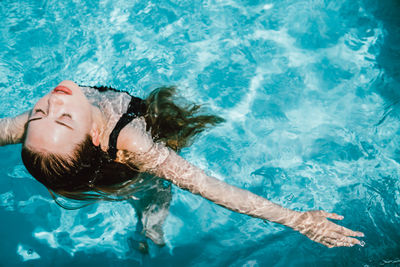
[90, 174]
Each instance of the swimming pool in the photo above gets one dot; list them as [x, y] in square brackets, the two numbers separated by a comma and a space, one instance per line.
[310, 92]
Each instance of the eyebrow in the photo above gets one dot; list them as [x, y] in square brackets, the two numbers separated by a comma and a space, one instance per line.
[56, 121]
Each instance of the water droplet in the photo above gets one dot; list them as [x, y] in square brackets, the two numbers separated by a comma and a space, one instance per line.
[30, 251]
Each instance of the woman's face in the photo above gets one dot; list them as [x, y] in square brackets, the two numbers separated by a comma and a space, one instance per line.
[59, 120]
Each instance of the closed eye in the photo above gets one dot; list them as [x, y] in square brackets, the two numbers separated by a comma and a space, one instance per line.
[38, 110]
[66, 115]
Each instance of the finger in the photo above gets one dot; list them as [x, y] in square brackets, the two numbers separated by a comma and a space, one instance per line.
[349, 242]
[328, 242]
[332, 215]
[342, 242]
[347, 232]
[334, 236]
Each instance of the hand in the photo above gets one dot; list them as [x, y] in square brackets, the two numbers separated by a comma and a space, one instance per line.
[315, 226]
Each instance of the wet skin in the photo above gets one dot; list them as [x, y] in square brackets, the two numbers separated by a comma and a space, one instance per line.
[60, 120]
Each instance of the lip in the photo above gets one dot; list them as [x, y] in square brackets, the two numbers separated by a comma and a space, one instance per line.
[62, 90]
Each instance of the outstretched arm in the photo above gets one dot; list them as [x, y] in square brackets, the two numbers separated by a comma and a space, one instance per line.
[163, 162]
[12, 129]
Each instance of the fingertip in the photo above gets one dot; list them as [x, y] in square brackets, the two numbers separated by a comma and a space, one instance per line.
[358, 243]
[336, 216]
[360, 234]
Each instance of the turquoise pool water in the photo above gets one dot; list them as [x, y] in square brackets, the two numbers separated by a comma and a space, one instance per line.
[310, 92]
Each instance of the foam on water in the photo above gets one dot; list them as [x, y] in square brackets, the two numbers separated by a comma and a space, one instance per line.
[311, 113]
[27, 254]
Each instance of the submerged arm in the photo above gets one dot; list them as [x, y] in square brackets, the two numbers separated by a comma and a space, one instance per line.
[187, 176]
[12, 129]
[165, 163]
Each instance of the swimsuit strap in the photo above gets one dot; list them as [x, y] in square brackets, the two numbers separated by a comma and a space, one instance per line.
[136, 108]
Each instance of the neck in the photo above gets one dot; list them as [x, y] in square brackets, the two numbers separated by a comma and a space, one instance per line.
[100, 121]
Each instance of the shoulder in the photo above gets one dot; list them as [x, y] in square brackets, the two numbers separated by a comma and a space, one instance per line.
[134, 137]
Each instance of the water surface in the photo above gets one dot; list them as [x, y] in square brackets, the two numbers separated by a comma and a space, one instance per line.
[310, 92]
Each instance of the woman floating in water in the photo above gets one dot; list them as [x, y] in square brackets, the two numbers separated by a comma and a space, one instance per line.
[90, 143]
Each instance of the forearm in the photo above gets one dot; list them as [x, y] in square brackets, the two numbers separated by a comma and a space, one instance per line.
[186, 176]
[12, 129]
[139, 151]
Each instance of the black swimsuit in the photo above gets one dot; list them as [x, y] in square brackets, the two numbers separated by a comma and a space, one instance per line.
[136, 108]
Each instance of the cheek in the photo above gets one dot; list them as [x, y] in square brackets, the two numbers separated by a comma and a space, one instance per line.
[82, 105]
[84, 120]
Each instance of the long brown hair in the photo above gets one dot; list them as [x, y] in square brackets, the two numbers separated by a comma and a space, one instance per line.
[90, 174]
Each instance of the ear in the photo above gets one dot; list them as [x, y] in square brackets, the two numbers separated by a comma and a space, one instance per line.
[95, 134]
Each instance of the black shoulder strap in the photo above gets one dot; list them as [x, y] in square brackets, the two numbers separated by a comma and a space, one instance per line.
[136, 108]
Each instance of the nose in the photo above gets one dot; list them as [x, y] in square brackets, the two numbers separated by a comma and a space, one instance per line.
[55, 103]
